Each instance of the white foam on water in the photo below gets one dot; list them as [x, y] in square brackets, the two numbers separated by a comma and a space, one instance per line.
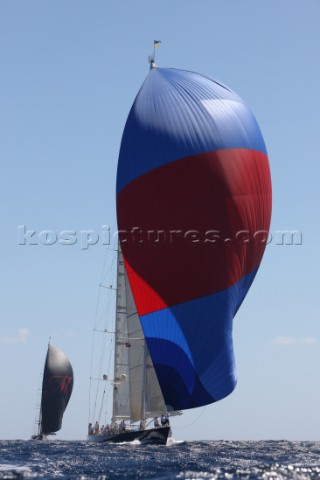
[133, 442]
[171, 441]
[7, 466]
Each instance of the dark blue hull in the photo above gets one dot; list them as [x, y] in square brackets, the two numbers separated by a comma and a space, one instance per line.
[157, 436]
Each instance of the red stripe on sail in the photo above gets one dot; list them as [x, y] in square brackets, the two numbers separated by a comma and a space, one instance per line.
[226, 191]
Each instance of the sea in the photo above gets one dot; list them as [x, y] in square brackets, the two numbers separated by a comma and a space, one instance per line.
[268, 460]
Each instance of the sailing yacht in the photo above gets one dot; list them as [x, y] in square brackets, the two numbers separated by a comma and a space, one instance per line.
[57, 385]
[193, 196]
[137, 399]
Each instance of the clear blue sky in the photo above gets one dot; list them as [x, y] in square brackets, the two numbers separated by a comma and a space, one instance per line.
[69, 74]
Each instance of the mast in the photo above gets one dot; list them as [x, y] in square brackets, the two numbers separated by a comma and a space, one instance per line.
[121, 398]
[40, 423]
[40, 411]
[115, 369]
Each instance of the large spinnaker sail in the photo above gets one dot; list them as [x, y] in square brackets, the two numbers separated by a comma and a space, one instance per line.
[194, 209]
[57, 387]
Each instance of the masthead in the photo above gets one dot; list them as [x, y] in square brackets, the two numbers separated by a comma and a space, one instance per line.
[152, 57]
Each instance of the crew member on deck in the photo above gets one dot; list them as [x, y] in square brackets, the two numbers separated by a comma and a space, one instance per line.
[167, 423]
[142, 425]
[156, 422]
[96, 428]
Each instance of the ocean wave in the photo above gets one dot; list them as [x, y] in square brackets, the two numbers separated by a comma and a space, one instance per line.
[183, 460]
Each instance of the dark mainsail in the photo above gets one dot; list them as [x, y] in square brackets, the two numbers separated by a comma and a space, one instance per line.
[56, 390]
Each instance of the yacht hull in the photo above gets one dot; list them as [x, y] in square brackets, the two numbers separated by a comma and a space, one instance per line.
[156, 436]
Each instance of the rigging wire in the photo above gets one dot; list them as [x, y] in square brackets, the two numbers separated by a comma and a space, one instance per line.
[103, 317]
[193, 421]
